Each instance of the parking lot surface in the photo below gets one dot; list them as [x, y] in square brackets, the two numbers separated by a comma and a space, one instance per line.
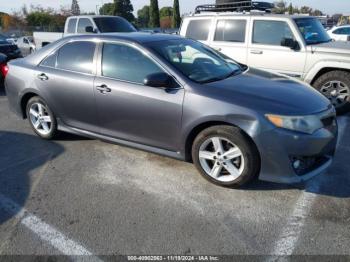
[77, 196]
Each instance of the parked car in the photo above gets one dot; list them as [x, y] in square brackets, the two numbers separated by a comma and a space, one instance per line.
[85, 24]
[340, 33]
[179, 98]
[296, 46]
[26, 45]
[9, 49]
[3, 69]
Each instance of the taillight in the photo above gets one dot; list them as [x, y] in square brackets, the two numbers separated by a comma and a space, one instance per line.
[4, 69]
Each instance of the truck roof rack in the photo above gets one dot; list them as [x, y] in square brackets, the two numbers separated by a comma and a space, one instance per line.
[236, 6]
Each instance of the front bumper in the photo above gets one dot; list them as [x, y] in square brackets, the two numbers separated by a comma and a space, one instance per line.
[279, 148]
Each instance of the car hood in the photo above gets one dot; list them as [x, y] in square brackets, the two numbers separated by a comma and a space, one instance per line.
[269, 93]
[338, 47]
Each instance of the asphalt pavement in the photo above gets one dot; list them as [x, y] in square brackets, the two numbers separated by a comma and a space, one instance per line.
[78, 196]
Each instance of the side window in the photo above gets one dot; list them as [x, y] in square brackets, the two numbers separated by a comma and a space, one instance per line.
[271, 32]
[71, 26]
[49, 61]
[126, 63]
[76, 56]
[82, 24]
[230, 30]
[198, 29]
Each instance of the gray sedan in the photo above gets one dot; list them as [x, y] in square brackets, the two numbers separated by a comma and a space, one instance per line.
[178, 98]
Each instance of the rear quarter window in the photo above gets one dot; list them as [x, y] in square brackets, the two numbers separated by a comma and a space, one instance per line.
[198, 29]
[71, 26]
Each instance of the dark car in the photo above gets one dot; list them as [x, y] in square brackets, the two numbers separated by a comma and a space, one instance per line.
[178, 98]
[3, 69]
[10, 50]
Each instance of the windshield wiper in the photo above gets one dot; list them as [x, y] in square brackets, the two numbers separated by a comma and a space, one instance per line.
[215, 79]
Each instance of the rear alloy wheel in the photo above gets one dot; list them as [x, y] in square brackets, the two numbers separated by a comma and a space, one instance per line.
[41, 118]
[335, 85]
[225, 157]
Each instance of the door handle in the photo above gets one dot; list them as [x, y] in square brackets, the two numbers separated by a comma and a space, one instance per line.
[43, 77]
[103, 89]
[256, 52]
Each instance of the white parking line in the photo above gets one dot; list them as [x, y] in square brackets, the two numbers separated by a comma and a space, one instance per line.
[44, 231]
[286, 244]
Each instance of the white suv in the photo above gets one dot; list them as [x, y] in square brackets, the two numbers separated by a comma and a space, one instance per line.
[297, 46]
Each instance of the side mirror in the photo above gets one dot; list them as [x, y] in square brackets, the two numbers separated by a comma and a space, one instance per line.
[160, 80]
[291, 43]
[89, 29]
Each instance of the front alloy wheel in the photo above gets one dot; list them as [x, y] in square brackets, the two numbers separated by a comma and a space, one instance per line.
[337, 92]
[335, 85]
[225, 156]
[221, 159]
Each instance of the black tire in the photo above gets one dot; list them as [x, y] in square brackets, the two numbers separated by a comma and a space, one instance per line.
[237, 137]
[53, 127]
[336, 75]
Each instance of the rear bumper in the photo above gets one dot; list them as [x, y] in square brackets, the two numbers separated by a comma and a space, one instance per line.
[280, 148]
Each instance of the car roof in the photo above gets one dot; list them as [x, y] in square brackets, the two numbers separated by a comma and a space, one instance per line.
[137, 37]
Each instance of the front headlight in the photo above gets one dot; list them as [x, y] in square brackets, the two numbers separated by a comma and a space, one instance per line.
[305, 124]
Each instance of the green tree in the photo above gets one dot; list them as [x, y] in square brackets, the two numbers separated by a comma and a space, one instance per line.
[75, 7]
[317, 12]
[176, 15]
[280, 7]
[154, 14]
[166, 11]
[290, 9]
[306, 10]
[124, 9]
[143, 16]
[107, 9]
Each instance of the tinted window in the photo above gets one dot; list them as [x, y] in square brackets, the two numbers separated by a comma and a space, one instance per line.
[76, 56]
[198, 29]
[49, 61]
[271, 32]
[71, 26]
[230, 30]
[113, 24]
[126, 63]
[82, 24]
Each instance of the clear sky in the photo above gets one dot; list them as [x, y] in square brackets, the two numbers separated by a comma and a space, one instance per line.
[327, 6]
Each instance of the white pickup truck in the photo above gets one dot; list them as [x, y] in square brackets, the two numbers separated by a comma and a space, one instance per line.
[297, 46]
[85, 24]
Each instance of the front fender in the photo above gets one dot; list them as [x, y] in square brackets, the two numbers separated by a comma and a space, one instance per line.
[310, 76]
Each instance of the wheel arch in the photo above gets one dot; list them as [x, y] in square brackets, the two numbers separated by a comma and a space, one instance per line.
[24, 101]
[327, 70]
[204, 125]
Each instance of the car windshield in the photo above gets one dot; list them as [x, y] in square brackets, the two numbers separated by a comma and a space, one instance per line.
[195, 60]
[312, 31]
[113, 24]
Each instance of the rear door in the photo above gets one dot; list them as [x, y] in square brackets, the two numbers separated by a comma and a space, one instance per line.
[65, 78]
[266, 52]
[129, 110]
[230, 37]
